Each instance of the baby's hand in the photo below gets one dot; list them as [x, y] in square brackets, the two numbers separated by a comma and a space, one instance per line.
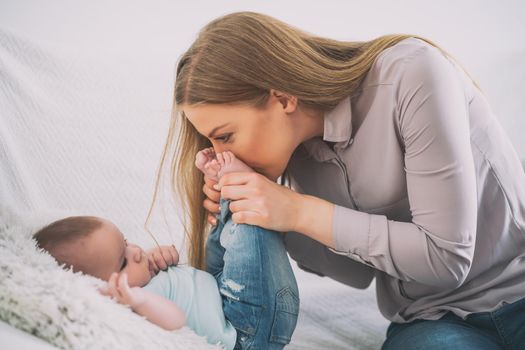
[118, 288]
[160, 258]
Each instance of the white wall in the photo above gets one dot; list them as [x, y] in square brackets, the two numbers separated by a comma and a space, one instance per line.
[486, 36]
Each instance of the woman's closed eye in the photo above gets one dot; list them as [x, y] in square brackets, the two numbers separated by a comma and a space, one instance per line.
[224, 138]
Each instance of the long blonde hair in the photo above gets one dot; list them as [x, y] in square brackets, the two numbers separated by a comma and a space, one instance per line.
[237, 59]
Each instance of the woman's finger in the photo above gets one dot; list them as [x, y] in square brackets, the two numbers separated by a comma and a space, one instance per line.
[209, 181]
[212, 207]
[237, 178]
[211, 193]
[243, 205]
[237, 192]
[212, 220]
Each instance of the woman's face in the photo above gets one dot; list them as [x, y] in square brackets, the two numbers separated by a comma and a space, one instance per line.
[263, 139]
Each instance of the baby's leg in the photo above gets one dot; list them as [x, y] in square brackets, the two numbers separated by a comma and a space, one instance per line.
[257, 284]
[214, 166]
[255, 279]
[214, 249]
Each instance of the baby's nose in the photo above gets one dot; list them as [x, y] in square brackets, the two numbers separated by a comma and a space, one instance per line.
[139, 254]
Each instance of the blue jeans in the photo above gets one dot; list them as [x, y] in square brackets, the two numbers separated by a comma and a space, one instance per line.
[503, 328]
[257, 285]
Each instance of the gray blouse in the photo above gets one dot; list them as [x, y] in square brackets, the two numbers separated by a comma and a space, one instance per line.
[429, 192]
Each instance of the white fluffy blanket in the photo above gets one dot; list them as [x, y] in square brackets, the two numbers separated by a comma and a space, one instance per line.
[64, 308]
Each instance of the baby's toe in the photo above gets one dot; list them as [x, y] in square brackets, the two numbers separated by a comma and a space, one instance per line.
[199, 159]
[220, 158]
[226, 157]
[230, 156]
[215, 165]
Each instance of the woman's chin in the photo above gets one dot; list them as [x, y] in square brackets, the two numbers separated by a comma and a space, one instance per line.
[268, 173]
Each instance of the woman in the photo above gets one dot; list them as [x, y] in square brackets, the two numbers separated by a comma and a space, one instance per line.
[398, 170]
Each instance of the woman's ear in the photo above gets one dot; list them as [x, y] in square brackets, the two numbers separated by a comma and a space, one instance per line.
[288, 102]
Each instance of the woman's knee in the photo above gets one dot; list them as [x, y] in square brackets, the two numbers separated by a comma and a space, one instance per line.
[439, 334]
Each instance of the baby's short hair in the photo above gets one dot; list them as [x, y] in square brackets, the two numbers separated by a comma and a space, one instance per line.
[56, 237]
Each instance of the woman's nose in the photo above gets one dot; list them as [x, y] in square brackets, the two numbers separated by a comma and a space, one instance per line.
[217, 148]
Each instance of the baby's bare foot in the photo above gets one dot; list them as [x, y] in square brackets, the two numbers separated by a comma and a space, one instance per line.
[229, 163]
[215, 165]
[206, 161]
[211, 169]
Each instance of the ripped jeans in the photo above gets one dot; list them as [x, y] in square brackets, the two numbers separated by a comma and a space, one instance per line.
[256, 282]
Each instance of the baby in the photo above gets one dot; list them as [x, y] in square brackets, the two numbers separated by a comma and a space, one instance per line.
[248, 298]
[166, 295]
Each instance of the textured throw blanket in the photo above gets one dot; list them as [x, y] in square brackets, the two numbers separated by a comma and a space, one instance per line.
[64, 308]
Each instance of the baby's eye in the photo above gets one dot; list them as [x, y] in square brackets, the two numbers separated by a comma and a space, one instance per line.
[124, 263]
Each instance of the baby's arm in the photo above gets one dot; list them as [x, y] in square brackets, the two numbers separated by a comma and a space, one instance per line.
[161, 311]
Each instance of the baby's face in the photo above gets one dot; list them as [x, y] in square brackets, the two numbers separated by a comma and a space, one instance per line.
[106, 251]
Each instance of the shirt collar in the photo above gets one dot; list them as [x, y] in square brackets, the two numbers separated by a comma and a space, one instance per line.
[338, 122]
[337, 128]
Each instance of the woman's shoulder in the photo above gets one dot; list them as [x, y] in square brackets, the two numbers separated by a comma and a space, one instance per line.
[410, 54]
[406, 48]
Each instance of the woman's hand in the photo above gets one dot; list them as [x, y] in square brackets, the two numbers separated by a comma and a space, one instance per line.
[256, 200]
[212, 202]
[119, 289]
[159, 258]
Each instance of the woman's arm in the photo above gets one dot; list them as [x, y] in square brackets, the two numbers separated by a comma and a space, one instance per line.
[158, 310]
[291, 211]
[314, 218]
[314, 257]
[437, 247]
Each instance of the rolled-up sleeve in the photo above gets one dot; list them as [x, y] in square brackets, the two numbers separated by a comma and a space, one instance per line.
[437, 247]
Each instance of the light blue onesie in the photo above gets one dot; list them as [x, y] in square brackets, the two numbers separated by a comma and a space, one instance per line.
[196, 293]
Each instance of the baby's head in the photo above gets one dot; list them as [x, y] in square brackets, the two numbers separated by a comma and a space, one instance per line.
[96, 247]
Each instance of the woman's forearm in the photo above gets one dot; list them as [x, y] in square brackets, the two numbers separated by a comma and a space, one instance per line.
[314, 218]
